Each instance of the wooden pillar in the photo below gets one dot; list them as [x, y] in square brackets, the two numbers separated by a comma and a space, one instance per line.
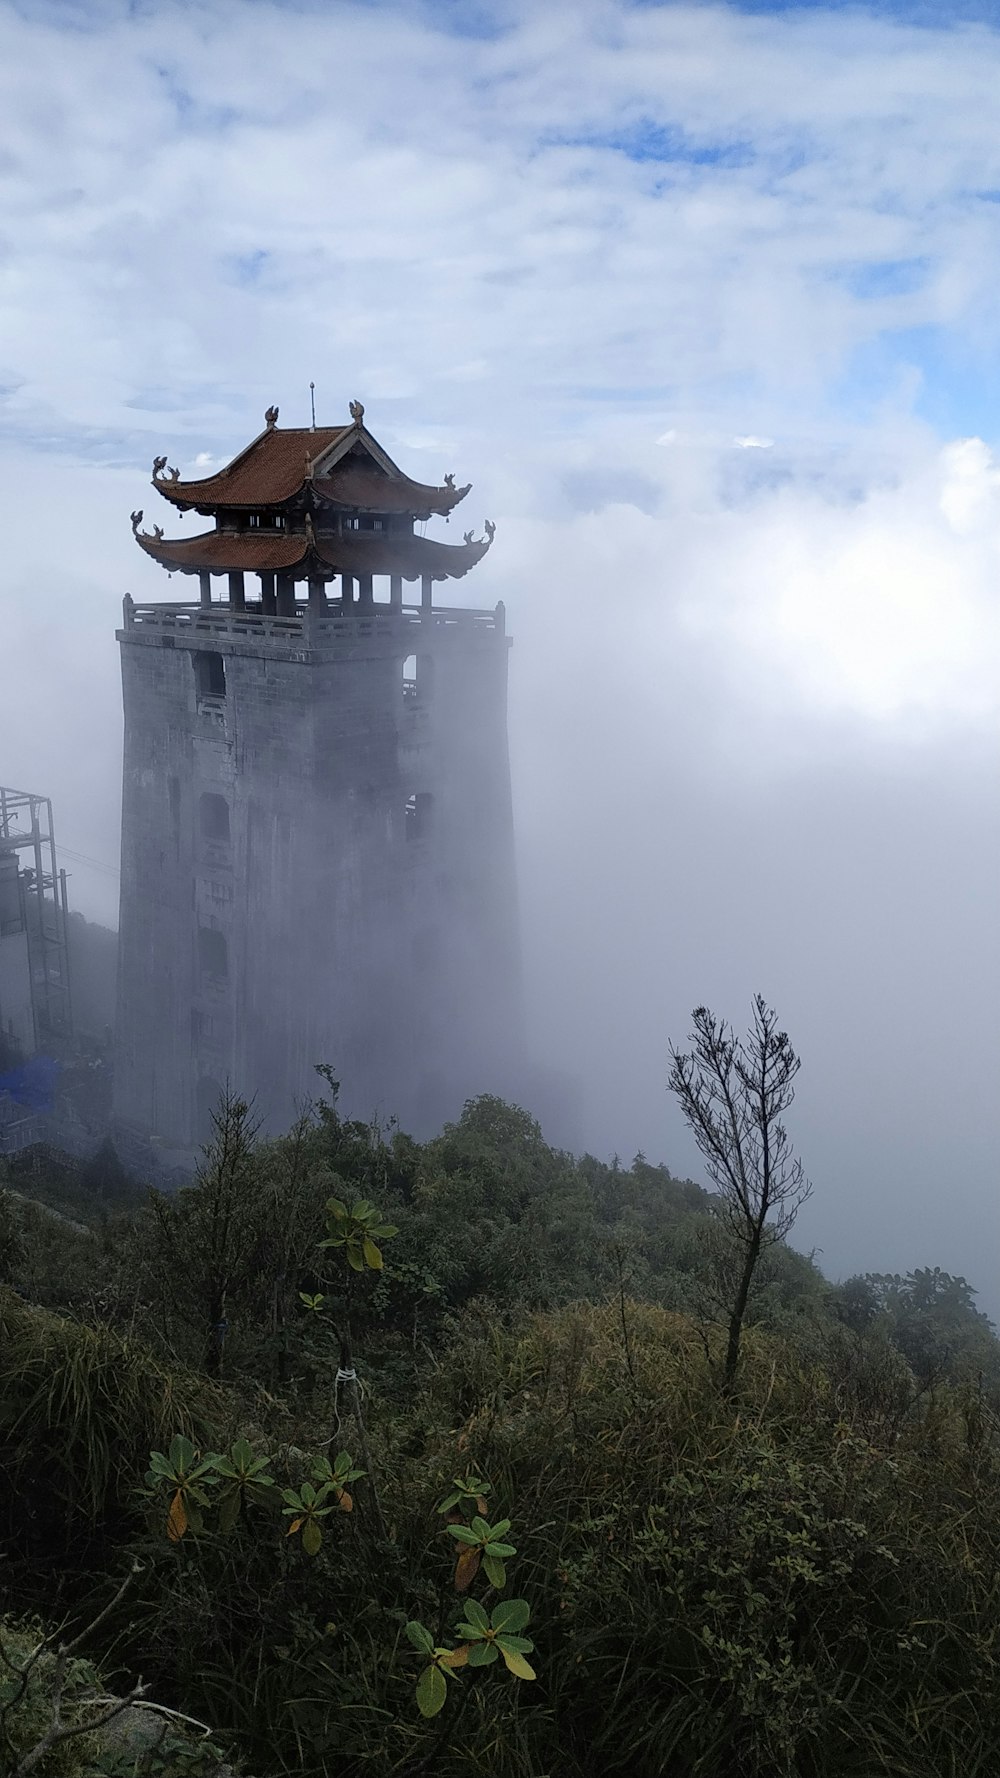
[205, 584]
[267, 604]
[395, 592]
[366, 597]
[347, 588]
[286, 595]
[426, 597]
[317, 595]
[237, 593]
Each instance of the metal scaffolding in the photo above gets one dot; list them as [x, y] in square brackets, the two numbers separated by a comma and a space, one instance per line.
[26, 827]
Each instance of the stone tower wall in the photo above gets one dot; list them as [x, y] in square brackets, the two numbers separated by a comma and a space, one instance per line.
[281, 904]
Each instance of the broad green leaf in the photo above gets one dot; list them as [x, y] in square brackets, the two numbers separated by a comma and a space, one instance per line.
[462, 1534]
[419, 1636]
[372, 1255]
[475, 1620]
[362, 1208]
[496, 1573]
[432, 1690]
[511, 1615]
[516, 1663]
[338, 1208]
[354, 1258]
[481, 1529]
[242, 1455]
[518, 1645]
[181, 1452]
[502, 1549]
[312, 1537]
[482, 1654]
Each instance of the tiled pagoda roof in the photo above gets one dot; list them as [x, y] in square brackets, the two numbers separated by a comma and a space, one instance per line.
[320, 554]
[342, 465]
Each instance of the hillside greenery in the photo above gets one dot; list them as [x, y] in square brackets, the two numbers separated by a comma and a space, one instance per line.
[799, 1575]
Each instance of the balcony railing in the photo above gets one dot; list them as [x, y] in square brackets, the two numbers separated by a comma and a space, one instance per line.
[308, 627]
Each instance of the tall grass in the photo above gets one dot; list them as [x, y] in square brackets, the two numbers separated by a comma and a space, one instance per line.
[80, 1409]
[801, 1582]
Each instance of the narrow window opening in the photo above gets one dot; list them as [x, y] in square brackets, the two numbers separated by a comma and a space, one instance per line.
[209, 674]
[213, 954]
[214, 816]
[410, 676]
[418, 815]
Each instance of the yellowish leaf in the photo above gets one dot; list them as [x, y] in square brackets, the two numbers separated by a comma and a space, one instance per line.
[177, 1519]
[516, 1663]
[295, 1525]
[466, 1568]
[345, 1501]
[455, 1657]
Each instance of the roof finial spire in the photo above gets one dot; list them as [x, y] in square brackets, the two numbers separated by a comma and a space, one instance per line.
[312, 404]
[357, 412]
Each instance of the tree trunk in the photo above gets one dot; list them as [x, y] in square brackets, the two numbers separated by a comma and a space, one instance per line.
[739, 1310]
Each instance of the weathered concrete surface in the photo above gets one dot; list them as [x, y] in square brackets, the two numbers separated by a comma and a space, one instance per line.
[282, 905]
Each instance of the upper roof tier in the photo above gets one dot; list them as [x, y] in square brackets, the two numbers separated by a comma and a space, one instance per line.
[340, 465]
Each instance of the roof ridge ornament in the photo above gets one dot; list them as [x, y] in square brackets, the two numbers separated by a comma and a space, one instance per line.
[357, 412]
[159, 464]
[136, 518]
[271, 418]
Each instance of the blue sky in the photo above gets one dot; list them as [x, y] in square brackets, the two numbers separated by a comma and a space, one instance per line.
[702, 298]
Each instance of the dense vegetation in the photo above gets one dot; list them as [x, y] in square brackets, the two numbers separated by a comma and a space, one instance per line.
[798, 1575]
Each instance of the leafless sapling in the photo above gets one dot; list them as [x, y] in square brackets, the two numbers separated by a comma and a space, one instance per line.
[734, 1093]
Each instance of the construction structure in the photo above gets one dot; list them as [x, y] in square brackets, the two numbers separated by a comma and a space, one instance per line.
[35, 1003]
[317, 838]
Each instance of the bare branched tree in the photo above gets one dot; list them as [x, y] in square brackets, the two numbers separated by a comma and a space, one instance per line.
[734, 1093]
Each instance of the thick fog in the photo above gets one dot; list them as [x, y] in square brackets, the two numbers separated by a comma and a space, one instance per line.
[702, 300]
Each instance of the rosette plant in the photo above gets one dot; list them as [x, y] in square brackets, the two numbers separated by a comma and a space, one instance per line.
[488, 1636]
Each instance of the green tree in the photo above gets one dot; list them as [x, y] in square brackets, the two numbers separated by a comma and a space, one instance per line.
[206, 1239]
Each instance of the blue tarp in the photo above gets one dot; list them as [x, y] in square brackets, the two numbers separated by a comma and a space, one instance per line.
[33, 1083]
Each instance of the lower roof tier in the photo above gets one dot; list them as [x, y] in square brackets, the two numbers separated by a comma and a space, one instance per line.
[315, 555]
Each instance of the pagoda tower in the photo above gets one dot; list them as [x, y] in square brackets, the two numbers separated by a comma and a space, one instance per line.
[317, 838]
